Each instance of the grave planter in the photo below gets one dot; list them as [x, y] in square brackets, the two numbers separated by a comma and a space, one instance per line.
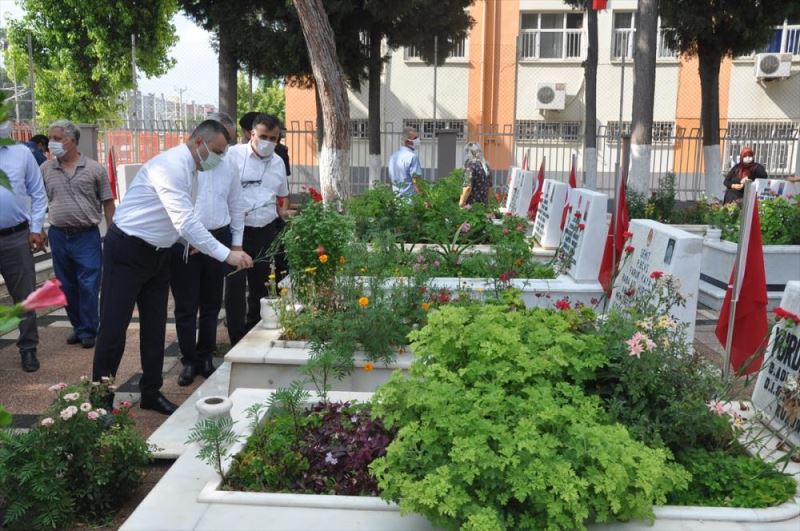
[781, 264]
[691, 228]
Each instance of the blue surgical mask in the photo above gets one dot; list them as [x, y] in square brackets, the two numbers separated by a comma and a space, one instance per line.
[212, 160]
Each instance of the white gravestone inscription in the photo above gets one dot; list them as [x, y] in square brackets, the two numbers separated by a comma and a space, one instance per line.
[581, 247]
[520, 191]
[659, 248]
[772, 188]
[777, 393]
[547, 227]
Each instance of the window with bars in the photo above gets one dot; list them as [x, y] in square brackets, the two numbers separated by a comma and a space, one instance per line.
[427, 128]
[539, 131]
[663, 132]
[458, 51]
[359, 128]
[746, 130]
[772, 142]
[622, 38]
[551, 35]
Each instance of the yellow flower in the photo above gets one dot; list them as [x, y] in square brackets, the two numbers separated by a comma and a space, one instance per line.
[271, 276]
[368, 367]
[363, 301]
[284, 292]
[310, 269]
[479, 290]
[426, 306]
[342, 259]
[363, 269]
[323, 258]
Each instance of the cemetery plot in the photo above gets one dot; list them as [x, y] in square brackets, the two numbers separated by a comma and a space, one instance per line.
[582, 242]
[547, 227]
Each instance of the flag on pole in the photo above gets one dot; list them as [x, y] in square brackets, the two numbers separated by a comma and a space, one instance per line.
[525, 159]
[536, 198]
[573, 183]
[599, 4]
[112, 173]
[614, 246]
[746, 297]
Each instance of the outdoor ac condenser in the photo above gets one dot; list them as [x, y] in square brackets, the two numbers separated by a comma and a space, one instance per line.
[773, 65]
[551, 96]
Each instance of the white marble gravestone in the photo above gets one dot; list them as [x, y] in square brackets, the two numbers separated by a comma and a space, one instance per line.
[582, 242]
[520, 190]
[772, 188]
[547, 227]
[660, 248]
[772, 395]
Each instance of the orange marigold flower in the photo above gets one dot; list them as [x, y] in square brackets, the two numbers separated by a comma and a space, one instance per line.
[323, 258]
[426, 306]
[369, 366]
[363, 302]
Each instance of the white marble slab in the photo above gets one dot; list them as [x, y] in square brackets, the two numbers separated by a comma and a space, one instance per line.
[547, 227]
[521, 188]
[583, 240]
[772, 188]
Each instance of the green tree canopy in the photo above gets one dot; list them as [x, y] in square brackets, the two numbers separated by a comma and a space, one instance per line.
[82, 52]
[268, 97]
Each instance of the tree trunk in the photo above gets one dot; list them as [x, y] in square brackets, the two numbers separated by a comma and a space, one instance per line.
[644, 88]
[320, 125]
[334, 158]
[710, 60]
[374, 107]
[227, 75]
[590, 122]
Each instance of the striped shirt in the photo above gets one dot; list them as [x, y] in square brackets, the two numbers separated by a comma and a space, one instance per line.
[77, 200]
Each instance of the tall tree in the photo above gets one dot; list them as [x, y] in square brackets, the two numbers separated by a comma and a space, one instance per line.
[268, 97]
[645, 41]
[590, 91]
[334, 161]
[712, 30]
[82, 52]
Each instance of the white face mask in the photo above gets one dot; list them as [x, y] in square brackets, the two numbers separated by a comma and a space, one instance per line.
[5, 129]
[265, 148]
[56, 148]
[415, 143]
[212, 160]
[747, 160]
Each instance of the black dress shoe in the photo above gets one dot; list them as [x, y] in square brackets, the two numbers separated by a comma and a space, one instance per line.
[88, 342]
[73, 339]
[158, 402]
[29, 361]
[187, 375]
[206, 367]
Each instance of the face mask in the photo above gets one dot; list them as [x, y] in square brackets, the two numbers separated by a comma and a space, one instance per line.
[56, 148]
[747, 160]
[212, 160]
[5, 129]
[265, 148]
[415, 143]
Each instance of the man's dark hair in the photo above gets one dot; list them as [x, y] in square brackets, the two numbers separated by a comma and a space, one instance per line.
[246, 121]
[40, 139]
[270, 121]
[208, 129]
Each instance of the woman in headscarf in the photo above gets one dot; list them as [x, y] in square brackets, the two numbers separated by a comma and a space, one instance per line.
[747, 170]
[477, 177]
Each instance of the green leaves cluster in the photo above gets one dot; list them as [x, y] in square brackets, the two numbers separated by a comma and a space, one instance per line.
[495, 431]
[268, 97]
[214, 436]
[779, 217]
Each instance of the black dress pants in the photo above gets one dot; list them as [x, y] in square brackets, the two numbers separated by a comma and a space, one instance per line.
[197, 286]
[134, 272]
[244, 290]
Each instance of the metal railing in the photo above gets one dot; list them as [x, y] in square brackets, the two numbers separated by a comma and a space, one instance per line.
[554, 44]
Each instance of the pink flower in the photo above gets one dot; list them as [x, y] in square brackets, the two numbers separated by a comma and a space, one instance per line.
[57, 387]
[562, 304]
[86, 406]
[520, 228]
[465, 227]
[93, 415]
[715, 406]
[47, 421]
[639, 343]
[506, 232]
[48, 295]
[125, 404]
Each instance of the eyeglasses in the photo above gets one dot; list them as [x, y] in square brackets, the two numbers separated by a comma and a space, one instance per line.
[246, 184]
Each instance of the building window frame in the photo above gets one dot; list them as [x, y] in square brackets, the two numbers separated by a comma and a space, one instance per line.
[542, 131]
[622, 37]
[458, 54]
[427, 128]
[571, 46]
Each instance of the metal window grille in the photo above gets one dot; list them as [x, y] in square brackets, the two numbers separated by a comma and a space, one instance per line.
[663, 132]
[359, 128]
[551, 35]
[458, 51]
[538, 131]
[427, 129]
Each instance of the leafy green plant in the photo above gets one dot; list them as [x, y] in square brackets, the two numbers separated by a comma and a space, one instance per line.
[495, 432]
[779, 217]
[78, 463]
[214, 435]
[5, 417]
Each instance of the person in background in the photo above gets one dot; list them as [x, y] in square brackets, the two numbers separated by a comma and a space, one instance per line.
[246, 123]
[477, 177]
[197, 279]
[23, 205]
[265, 191]
[38, 146]
[156, 211]
[79, 193]
[747, 170]
[404, 167]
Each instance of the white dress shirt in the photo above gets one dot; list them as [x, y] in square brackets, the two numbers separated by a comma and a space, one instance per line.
[158, 205]
[219, 199]
[27, 200]
[263, 181]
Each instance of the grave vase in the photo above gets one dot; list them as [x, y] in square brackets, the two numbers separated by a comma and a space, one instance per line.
[269, 316]
[213, 407]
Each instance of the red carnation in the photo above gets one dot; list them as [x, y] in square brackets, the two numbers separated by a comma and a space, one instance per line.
[781, 313]
[578, 215]
[562, 305]
[627, 234]
[655, 275]
[581, 226]
[315, 195]
[629, 249]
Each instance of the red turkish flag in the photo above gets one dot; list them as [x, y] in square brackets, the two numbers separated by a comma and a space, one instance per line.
[533, 206]
[618, 226]
[599, 4]
[750, 327]
[112, 173]
[573, 183]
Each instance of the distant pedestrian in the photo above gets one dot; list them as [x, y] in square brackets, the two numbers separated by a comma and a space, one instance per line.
[477, 177]
[156, 211]
[265, 191]
[197, 279]
[745, 171]
[38, 146]
[404, 168]
[22, 211]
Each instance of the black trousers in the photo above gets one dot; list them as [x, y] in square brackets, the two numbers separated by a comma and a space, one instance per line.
[244, 290]
[197, 286]
[133, 273]
[17, 268]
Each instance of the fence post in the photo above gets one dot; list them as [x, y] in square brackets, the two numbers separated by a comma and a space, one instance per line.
[446, 155]
[88, 142]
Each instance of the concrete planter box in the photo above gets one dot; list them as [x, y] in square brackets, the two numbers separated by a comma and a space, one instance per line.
[697, 229]
[781, 264]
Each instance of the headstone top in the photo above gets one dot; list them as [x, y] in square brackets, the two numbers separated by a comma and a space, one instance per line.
[521, 187]
[547, 227]
[583, 239]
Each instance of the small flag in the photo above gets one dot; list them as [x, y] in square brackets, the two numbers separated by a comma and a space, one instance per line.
[112, 173]
[533, 207]
[573, 183]
[618, 226]
[599, 4]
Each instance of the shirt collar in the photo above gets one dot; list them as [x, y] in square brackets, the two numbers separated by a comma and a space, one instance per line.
[81, 162]
[188, 159]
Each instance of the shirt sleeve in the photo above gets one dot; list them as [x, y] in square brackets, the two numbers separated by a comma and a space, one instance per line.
[467, 175]
[236, 207]
[34, 184]
[177, 200]
[103, 184]
[414, 168]
[283, 189]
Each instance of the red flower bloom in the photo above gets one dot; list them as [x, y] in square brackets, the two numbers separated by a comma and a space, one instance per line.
[520, 228]
[505, 277]
[48, 295]
[781, 313]
[627, 234]
[655, 275]
[581, 226]
[562, 304]
[629, 249]
[578, 215]
[315, 195]
[505, 231]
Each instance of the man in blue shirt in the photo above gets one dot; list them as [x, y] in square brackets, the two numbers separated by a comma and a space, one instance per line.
[20, 236]
[404, 167]
[38, 146]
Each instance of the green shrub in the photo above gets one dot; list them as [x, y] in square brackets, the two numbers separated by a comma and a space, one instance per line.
[779, 217]
[494, 431]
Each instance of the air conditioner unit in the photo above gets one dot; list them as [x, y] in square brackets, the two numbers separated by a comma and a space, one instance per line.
[551, 96]
[773, 65]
